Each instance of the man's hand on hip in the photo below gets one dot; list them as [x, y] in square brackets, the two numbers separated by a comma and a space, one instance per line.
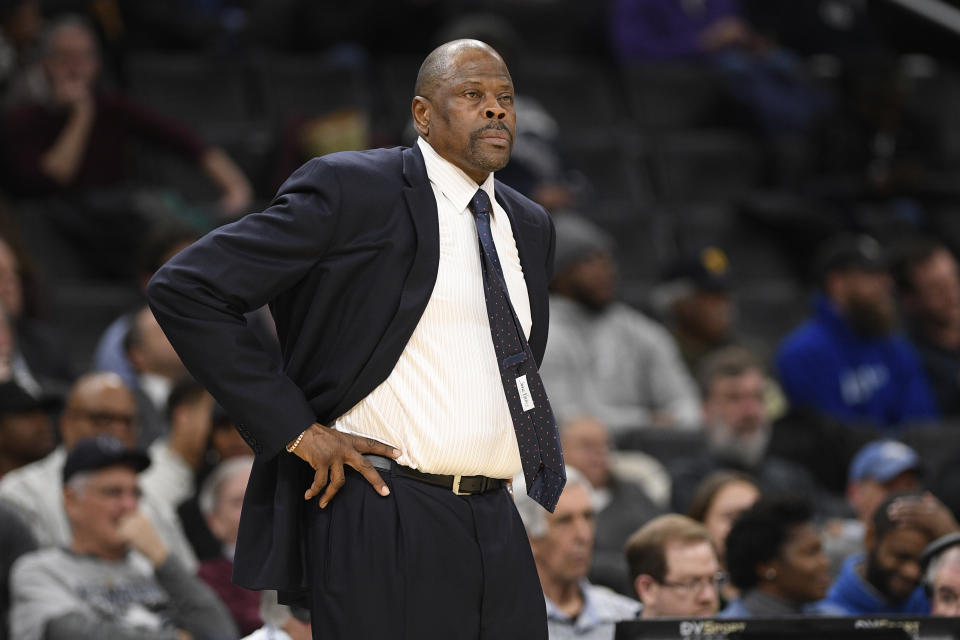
[327, 450]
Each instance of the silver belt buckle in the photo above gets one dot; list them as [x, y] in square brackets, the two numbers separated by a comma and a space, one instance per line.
[456, 486]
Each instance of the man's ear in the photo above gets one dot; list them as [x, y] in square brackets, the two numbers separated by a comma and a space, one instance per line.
[421, 116]
[643, 586]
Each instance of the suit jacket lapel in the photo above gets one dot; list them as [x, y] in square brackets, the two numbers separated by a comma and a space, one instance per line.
[533, 274]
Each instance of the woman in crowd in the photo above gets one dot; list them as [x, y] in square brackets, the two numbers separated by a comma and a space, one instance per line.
[776, 559]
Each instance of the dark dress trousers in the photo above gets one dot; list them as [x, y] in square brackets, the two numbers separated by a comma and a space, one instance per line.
[346, 256]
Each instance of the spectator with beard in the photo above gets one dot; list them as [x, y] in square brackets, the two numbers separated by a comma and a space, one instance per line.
[775, 558]
[737, 429]
[928, 286]
[695, 297]
[878, 470]
[622, 506]
[886, 578]
[846, 362]
[604, 358]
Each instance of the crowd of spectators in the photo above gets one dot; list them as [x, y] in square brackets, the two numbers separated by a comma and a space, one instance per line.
[726, 457]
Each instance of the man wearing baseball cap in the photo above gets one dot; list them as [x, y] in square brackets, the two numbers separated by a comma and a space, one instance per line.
[116, 579]
[846, 361]
[878, 470]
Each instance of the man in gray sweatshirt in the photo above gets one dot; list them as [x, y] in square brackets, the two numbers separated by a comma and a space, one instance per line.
[117, 578]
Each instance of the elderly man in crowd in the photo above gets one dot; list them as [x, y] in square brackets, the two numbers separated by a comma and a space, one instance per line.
[96, 587]
[738, 431]
[621, 505]
[674, 568]
[941, 562]
[221, 498]
[562, 544]
[99, 404]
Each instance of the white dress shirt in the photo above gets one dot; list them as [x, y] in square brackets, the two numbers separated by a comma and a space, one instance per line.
[443, 404]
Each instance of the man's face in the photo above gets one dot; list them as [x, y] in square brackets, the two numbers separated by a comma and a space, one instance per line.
[866, 300]
[586, 446]
[707, 315]
[946, 585]
[28, 435]
[936, 290]
[96, 510]
[108, 409]
[72, 63]
[893, 564]
[687, 589]
[470, 117]
[564, 554]
[736, 417]
[224, 522]
[867, 494]
[592, 281]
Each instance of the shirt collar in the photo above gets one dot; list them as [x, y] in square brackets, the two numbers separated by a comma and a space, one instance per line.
[455, 185]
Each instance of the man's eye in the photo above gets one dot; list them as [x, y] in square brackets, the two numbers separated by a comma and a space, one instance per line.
[472, 94]
[507, 99]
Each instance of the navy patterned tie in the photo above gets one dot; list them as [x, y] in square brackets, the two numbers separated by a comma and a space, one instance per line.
[532, 417]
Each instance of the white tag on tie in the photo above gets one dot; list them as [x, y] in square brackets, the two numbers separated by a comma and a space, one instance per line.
[526, 400]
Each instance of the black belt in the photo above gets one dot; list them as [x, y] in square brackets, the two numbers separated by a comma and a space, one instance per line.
[460, 485]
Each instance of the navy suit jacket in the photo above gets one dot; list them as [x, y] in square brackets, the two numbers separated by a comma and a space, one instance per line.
[346, 256]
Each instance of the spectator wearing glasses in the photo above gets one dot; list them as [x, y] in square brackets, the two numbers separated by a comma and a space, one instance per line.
[116, 578]
[562, 544]
[674, 568]
[776, 559]
[98, 404]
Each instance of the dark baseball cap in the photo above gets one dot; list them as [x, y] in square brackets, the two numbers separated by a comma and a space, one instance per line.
[937, 547]
[705, 270]
[92, 454]
[15, 399]
[848, 252]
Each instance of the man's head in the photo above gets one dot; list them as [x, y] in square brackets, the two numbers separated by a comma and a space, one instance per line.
[695, 293]
[878, 470]
[464, 107]
[70, 57]
[774, 547]
[225, 441]
[562, 541]
[149, 349]
[99, 404]
[854, 277]
[719, 499]
[586, 446]
[674, 568]
[894, 549]
[221, 498]
[941, 561]
[734, 385]
[928, 281]
[584, 269]
[99, 491]
[26, 430]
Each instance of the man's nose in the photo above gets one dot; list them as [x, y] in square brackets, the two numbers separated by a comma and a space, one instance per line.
[495, 112]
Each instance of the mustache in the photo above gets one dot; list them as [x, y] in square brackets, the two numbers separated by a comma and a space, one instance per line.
[493, 126]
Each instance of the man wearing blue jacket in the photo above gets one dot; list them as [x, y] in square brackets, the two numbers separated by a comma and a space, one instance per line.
[886, 578]
[845, 361]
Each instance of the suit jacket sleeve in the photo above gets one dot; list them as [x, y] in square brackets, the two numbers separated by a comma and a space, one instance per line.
[200, 296]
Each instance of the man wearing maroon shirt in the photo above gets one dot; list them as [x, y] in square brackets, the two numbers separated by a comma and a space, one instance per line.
[76, 141]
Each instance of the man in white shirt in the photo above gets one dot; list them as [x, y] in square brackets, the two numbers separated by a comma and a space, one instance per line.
[394, 328]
